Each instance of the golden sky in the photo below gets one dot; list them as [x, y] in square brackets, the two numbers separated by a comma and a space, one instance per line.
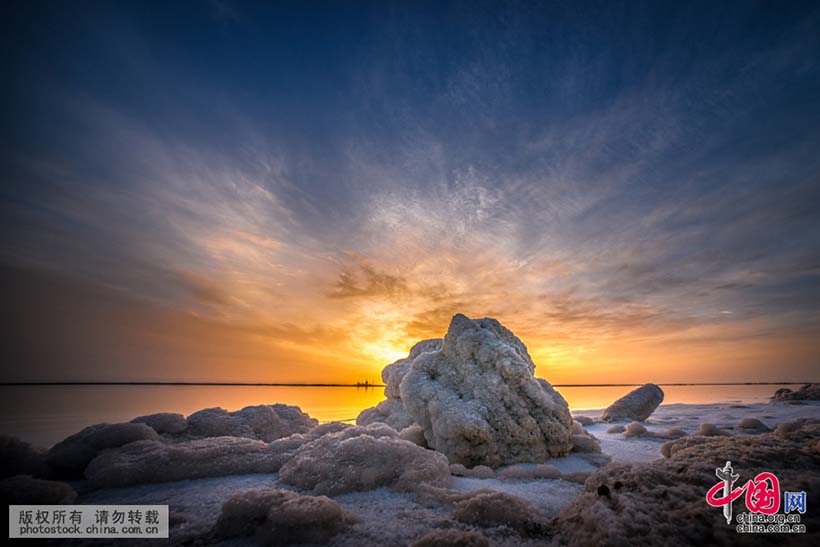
[281, 196]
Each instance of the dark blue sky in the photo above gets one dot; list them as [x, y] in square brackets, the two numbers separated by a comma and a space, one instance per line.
[616, 181]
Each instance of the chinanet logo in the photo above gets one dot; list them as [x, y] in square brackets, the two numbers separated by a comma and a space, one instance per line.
[762, 499]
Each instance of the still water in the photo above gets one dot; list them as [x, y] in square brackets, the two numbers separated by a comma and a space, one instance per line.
[44, 415]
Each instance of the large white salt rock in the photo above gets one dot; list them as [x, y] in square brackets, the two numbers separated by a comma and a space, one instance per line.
[478, 400]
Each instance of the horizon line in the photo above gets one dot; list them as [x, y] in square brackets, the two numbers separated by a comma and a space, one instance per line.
[368, 385]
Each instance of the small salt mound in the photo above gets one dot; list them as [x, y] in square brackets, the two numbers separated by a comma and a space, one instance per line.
[515, 472]
[752, 424]
[674, 433]
[280, 517]
[616, 429]
[544, 471]
[490, 509]
[480, 472]
[711, 430]
[634, 429]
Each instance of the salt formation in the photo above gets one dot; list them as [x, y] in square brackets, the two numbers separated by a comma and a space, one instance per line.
[752, 425]
[807, 392]
[711, 430]
[491, 509]
[70, 456]
[637, 405]
[280, 517]
[583, 440]
[478, 401]
[263, 422]
[25, 490]
[281, 450]
[163, 422]
[363, 458]
[391, 411]
[21, 458]
[156, 461]
[622, 502]
[634, 429]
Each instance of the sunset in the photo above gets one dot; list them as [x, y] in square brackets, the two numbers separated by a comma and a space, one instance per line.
[233, 196]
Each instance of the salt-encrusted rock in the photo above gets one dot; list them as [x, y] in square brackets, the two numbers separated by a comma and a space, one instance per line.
[155, 461]
[452, 538]
[279, 517]
[283, 449]
[807, 392]
[70, 457]
[263, 422]
[648, 500]
[163, 422]
[390, 412]
[21, 458]
[617, 428]
[752, 424]
[478, 401]
[363, 458]
[584, 420]
[803, 430]
[25, 490]
[394, 373]
[637, 405]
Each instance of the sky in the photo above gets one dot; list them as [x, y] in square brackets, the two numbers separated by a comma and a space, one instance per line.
[299, 191]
